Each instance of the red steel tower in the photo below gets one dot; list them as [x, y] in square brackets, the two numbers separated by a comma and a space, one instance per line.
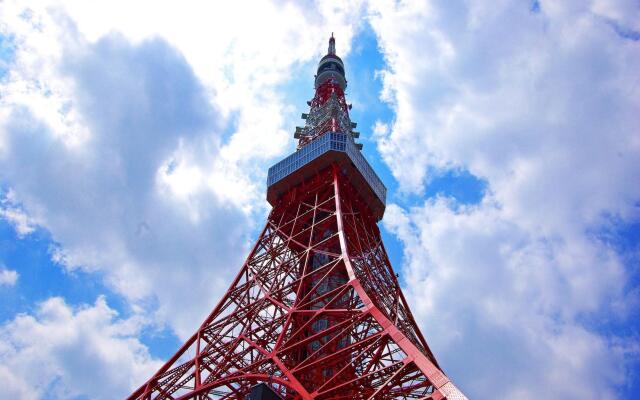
[316, 311]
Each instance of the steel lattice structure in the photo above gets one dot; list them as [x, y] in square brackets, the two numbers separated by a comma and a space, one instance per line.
[316, 311]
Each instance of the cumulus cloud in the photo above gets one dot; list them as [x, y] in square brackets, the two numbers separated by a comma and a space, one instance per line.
[247, 57]
[496, 301]
[13, 214]
[104, 193]
[8, 277]
[20, 220]
[540, 103]
[141, 142]
[69, 352]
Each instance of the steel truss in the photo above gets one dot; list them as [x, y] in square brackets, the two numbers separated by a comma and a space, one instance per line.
[316, 312]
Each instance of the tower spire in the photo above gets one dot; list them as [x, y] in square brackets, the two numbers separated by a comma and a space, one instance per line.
[332, 45]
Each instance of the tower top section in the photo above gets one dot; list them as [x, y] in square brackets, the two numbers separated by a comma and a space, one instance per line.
[328, 138]
[331, 67]
[332, 45]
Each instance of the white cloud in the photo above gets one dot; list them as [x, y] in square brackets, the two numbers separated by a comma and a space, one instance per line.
[141, 139]
[66, 352]
[245, 57]
[495, 300]
[543, 107]
[99, 196]
[16, 217]
[22, 223]
[139, 134]
[8, 277]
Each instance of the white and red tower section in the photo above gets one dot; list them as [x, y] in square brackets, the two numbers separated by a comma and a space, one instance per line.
[316, 311]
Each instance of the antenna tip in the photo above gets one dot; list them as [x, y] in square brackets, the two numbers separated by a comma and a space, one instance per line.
[332, 45]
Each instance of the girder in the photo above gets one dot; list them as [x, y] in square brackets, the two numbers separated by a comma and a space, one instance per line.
[316, 311]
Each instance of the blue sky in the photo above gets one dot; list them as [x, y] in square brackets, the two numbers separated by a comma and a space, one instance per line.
[134, 144]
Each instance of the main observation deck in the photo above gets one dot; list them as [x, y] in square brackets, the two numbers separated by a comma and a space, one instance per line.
[329, 148]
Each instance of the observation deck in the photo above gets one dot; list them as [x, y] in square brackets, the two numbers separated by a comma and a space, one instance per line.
[329, 148]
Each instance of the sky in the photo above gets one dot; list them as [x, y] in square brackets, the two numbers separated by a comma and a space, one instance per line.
[135, 139]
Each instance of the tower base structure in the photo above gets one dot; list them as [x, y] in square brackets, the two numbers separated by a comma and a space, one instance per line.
[316, 311]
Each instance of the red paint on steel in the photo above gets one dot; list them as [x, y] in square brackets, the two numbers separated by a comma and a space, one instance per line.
[319, 258]
[316, 311]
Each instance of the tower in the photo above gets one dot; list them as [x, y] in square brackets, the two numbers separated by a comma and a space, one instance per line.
[316, 311]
